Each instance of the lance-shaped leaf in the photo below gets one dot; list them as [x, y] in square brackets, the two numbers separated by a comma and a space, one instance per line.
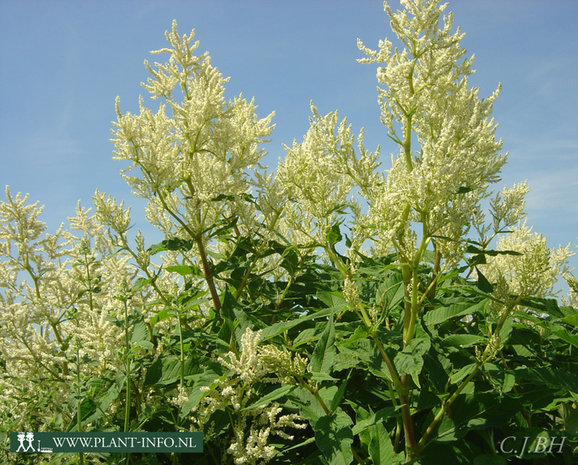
[324, 352]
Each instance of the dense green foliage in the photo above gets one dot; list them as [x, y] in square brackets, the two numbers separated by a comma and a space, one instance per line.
[288, 321]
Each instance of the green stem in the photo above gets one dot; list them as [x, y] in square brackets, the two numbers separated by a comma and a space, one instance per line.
[127, 368]
[79, 400]
[409, 435]
[282, 298]
[182, 350]
[208, 275]
[245, 278]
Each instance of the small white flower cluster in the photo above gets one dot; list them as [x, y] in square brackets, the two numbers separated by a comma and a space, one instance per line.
[252, 425]
[535, 271]
[318, 176]
[255, 448]
[572, 298]
[180, 398]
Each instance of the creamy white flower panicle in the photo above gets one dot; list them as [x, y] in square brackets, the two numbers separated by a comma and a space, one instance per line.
[448, 150]
[506, 209]
[535, 271]
[110, 213]
[196, 147]
[319, 174]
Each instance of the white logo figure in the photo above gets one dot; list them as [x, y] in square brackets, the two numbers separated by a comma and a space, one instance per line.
[21, 437]
[30, 438]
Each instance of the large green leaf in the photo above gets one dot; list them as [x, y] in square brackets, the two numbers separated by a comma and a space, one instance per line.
[463, 372]
[100, 394]
[278, 328]
[309, 406]
[166, 370]
[332, 395]
[380, 447]
[173, 243]
[324, 353]
[462, 340]
[272, 396]
[567, 336]
[369, 419]
[334, 437]
[185, 270]
[439, 315]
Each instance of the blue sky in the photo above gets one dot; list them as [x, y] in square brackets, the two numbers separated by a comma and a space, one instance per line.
[62, 63]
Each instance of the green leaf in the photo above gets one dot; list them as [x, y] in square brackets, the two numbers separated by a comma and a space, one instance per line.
[380, 447]
[464, 190]
[543, 305]
[278, 328]
[488, 459]
[200, 380]
[374, 418]
[166, 370]
[220, 197]
[103, 393]
[290, 259]
[410, 359]
[462, 340]
[304, 337]
[483, 284]
[439, 315]
[324, 352]
[309, 407]
[492, 253]
[571, 319]
[174, 243]
[332, 395]
[571, 420]
[270, 397]
[331, 298]
[509, 382]
[334, 437]
[139, 333]
[185, 270]
[164, 314]
[142, 282]
[463, 372]
[567, 336]
[334, 236]
[228, 325]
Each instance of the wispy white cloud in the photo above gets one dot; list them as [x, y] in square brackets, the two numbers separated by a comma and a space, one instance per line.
[553, 191]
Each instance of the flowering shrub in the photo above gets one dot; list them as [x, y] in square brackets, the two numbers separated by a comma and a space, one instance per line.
[328, 313]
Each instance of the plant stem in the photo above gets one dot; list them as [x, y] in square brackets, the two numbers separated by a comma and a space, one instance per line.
[127, 368]
[79, 399]
[181, 349]
[208, 275]
[410, 443]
